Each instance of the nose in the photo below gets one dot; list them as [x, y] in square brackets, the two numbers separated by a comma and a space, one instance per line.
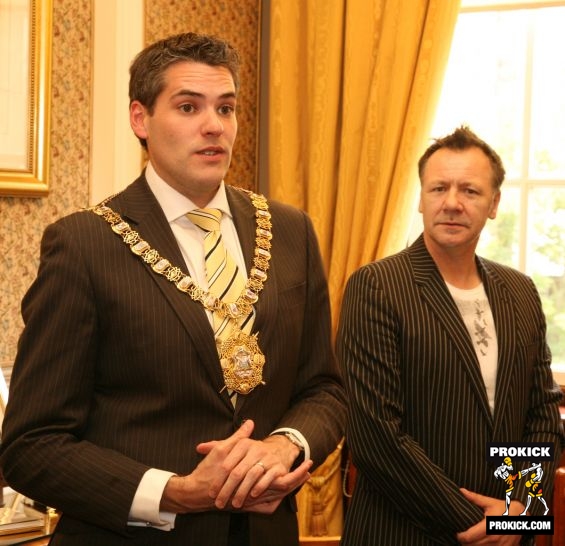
[212, 123]
[451, 200]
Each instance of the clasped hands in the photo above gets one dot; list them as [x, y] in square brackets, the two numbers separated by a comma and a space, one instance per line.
[238, 473]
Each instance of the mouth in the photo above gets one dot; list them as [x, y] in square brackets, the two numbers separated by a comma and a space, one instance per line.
[450, 226]
[451, 223]
[211, 151]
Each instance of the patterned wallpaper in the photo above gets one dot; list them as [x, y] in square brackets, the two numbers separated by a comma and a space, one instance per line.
[238, 22]
[22, 221]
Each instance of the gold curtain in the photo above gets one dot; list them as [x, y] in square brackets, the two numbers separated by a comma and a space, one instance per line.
[352, 94]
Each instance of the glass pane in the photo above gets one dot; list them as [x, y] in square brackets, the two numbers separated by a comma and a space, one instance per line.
[547, 159]
[546, 260]
[500, 239]
[484, 84]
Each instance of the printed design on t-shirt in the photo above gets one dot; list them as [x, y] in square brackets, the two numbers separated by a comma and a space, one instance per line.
[480, 328]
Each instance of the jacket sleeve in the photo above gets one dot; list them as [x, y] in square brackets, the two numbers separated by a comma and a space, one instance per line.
[43, 453]
[543, 422]
[317, 400]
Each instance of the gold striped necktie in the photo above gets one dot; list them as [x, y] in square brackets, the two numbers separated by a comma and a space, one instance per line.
[225, 280]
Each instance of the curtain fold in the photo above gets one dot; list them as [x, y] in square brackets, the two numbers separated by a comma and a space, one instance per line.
[352, 95]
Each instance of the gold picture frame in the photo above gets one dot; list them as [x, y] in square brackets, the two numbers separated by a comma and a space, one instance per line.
[25, 102]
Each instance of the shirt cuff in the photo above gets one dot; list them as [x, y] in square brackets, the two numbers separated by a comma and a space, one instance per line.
[299, 436]
[144, 511]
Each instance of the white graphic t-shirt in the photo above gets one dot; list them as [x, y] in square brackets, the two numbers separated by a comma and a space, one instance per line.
[476, 312]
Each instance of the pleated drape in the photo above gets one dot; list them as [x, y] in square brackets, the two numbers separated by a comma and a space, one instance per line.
[352, 94]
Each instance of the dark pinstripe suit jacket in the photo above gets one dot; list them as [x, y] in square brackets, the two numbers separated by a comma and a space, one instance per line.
[117, 372]
[419, 417]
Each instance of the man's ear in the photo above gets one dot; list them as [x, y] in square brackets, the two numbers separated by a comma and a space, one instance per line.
[137, 115]
[494, 206]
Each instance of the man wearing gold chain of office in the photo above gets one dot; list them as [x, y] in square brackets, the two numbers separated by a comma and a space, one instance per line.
[175, 382]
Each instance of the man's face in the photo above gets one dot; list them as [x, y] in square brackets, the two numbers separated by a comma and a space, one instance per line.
[191, 132]
[457, 197]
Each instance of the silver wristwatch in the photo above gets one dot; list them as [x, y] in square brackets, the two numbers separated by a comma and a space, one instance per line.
[292, 437]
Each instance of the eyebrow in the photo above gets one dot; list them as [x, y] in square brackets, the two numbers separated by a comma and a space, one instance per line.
[189, 93]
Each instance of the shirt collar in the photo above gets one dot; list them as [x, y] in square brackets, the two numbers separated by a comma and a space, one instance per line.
[176, 205]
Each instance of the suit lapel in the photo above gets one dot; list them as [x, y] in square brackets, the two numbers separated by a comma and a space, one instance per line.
[140, 208]
[435, 293]
[504, 320]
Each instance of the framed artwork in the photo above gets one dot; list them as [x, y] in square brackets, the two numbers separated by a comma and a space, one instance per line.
[25, 58]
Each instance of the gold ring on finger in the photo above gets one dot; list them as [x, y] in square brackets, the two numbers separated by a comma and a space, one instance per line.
[260, 463]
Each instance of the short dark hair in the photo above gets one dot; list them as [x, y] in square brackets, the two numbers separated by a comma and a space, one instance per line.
[463, 139]
[147, 69]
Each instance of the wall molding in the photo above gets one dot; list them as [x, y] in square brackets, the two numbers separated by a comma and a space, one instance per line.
[116, 155]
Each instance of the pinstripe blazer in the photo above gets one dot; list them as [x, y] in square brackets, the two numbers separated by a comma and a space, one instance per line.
[117, 372]
[419, 418]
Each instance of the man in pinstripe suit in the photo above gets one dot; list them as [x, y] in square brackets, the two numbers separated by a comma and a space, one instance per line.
[120, 414]
[442, 352]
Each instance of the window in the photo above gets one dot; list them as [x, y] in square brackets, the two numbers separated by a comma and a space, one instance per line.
[505, 79]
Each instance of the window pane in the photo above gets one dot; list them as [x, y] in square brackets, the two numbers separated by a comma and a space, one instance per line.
[500, 239]
[546, 260]
[547, 160]
[484, 84]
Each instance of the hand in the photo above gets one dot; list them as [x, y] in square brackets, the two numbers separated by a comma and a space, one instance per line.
[190, 493]
[230, 475]
[491, 507]
[255, 474]
[266, 501]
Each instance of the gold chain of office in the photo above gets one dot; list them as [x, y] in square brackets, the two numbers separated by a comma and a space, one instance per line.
[257, 276]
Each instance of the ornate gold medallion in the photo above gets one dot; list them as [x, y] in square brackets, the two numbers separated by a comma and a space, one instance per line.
[242, 362]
